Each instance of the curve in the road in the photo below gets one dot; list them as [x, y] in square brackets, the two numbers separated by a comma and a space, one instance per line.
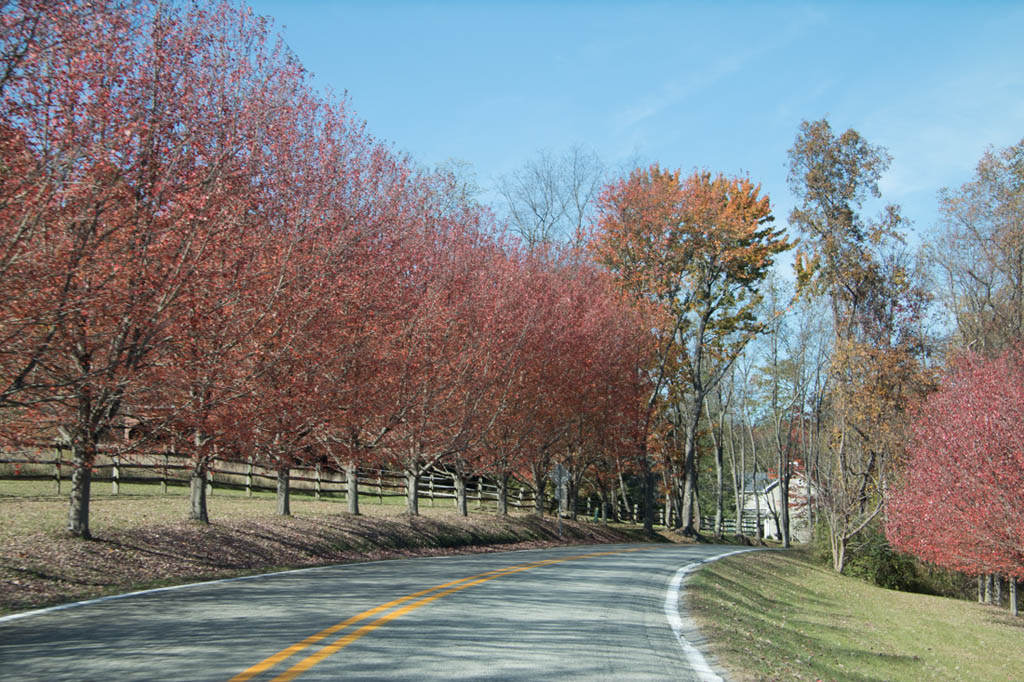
[435, 593]
[698, 663]
[572, 613]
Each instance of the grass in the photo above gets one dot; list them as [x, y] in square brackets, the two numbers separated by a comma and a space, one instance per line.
[778, 616]
[34, 506]
[143, 539]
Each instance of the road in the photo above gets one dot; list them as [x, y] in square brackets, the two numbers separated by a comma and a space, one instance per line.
[569, 613]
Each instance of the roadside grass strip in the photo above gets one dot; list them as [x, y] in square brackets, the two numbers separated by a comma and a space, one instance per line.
[780, 616]
[694, 657]
[422, 597]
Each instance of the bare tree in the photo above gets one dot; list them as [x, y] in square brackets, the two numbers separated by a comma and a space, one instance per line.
[978, 252]
[551, 198]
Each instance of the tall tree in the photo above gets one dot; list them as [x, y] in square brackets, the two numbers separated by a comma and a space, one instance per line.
[979, 252]
[150, 194]
[861, 267]
[36, 270]
[959, 501]
[788, 359]
[698, 247]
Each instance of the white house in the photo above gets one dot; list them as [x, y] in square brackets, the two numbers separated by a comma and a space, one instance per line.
[765, 492]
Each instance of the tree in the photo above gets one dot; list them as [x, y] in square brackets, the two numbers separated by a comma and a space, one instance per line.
[552, 198]
[440, 359]
[861, 267]
[30, 192]
[788, 358]
[697, 247]
[152, 124]
[978, 252]
[959, 501]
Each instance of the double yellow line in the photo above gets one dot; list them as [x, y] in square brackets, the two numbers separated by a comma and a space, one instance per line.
[422, 598]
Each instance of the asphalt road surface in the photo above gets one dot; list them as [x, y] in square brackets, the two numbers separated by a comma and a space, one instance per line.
[605, 612]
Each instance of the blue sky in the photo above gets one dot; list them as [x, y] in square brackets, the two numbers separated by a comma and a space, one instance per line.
[715, 85]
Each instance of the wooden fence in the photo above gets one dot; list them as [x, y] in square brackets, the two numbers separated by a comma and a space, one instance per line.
[169, 469]
[707, 523]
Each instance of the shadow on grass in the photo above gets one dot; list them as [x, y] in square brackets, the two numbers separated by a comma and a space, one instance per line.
[41, 569]
[767, 619]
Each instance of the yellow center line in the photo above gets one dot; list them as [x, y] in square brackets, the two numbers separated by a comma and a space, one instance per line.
[268, 663]
[448, 588]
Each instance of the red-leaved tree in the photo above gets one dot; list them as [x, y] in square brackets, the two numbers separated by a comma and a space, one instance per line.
[960, 503]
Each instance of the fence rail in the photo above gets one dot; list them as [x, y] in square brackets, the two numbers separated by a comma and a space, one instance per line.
[170, 469]
[707, 523]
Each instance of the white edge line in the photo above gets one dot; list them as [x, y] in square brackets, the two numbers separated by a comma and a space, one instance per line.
[694, 657]
[253, 576]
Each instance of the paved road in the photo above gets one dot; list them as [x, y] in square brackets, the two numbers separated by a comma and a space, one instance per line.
[570, 613]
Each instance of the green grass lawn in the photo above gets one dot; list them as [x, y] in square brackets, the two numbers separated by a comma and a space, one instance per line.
[33, 506]
[29, 506]
[777, 616]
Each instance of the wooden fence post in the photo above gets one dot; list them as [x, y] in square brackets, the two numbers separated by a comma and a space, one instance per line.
[163, 474]
[248, 478]
[317, 494]
[115, 476]
[380, 486]
[430, 483]
[56, 468]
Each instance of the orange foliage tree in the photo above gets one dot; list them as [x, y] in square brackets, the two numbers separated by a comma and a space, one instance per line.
[698, 248]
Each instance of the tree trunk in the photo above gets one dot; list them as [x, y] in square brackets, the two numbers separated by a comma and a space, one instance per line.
[460, 494]
[807, 448]
[613, 503]
[412, 499]
[697, 512]
[197, 495]
[677, 500]
[690, 472]
[625, 499]
[503, 494]
[784, 508]
[648, 498]
[284, 501]
[997, 593]
[719, 486]
[981, 589]
[352, 487]
[572, 498]
[783, 463]
[718, 440]
[838, 552]
[538, 489]
[757, 510]
[1013, 596]
[668, 500]
[988, 588]
[741, 493]
[686, 523]
[81, 491]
